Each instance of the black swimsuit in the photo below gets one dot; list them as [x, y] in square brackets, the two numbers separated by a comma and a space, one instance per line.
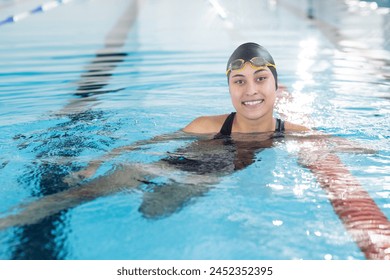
[220, 155]
[227, 126]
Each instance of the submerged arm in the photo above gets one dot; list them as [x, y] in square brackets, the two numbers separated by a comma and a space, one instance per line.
[331, 143]
[94, 165]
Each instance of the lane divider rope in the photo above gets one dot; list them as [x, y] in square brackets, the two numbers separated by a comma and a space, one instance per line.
[37, 10]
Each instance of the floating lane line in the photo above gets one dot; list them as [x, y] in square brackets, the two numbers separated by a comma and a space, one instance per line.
[228, 24]
[218, 8]
[37, 10]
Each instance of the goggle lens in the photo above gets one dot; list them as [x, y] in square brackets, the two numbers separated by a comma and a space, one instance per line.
[256, 62]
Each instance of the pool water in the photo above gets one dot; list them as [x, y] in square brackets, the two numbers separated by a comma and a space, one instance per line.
[85, 77]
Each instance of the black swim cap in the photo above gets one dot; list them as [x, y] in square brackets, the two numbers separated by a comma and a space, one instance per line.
[249, 50]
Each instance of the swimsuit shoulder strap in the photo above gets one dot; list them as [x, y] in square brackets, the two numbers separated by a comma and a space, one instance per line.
[279, 127]
[226, 128]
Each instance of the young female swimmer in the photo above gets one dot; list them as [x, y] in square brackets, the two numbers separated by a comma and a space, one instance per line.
[236, 138]
[253, 81]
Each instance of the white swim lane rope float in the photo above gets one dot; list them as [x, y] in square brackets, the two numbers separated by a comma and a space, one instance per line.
[37, 10]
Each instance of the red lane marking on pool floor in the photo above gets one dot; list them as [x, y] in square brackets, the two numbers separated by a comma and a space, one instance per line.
[361, 216]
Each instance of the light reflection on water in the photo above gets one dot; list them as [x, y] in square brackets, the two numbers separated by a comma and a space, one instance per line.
[338, 85]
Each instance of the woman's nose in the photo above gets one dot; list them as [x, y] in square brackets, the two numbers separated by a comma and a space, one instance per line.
[251, 88]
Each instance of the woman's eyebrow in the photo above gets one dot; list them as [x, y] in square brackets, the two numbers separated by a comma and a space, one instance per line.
[260, 70]
[238, 75]
[257, 71]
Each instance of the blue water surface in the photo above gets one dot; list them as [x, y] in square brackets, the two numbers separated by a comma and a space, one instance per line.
[84, 78]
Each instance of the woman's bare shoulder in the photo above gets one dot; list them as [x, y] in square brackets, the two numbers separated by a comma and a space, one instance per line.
[295, 127]
[206, 124]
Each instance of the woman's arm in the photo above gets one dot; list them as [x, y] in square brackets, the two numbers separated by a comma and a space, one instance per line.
[331, 142]
[94, 165]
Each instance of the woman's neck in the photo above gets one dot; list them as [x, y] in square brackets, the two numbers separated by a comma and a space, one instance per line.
[244, 125]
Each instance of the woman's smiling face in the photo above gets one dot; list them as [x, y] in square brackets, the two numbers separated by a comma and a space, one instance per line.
[253, 92]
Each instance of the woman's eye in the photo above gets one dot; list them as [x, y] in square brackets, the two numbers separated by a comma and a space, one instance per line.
[239, 82]
[261, 79]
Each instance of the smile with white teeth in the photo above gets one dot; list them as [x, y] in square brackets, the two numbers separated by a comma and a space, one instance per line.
[253, 102]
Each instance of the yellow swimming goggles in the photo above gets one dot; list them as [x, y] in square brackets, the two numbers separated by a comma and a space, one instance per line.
[256, 62]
